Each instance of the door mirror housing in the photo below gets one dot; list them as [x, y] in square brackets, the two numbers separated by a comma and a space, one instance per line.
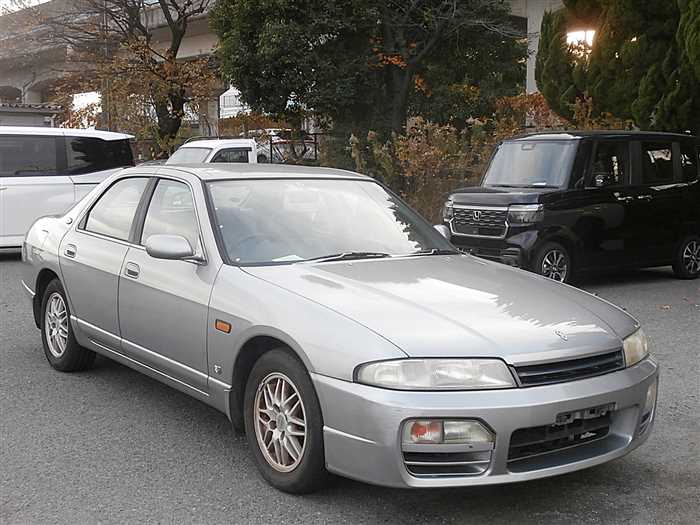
[444, 231]
[171, 247]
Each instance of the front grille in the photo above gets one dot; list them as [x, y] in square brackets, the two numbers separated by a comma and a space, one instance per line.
[447, 463]
[535, 441]
[478, 221]
[570, 370]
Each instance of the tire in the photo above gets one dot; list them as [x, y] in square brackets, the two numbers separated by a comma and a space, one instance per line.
[307, 472]
[686, 262]
[60, 347]
[554, 261]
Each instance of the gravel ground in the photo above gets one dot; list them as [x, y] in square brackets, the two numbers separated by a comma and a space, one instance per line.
[111, 445]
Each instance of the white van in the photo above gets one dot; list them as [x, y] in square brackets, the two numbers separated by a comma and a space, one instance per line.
[44, 171]
[215, 150]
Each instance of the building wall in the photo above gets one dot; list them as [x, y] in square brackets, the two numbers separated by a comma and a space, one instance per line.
[22, 119]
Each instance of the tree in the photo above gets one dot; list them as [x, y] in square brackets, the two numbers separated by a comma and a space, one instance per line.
[639, 67]
[114, 50]
[360, 63]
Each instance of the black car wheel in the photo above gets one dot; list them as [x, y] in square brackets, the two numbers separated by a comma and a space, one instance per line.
[686, 264]
[553, 261]
[62, 350]
[283, 424]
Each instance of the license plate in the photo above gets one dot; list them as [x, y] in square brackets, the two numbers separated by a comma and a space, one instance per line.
[587, 413]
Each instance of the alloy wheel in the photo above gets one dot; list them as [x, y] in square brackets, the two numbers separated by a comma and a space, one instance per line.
[280, 422]
[56, 325]
[555, 265]
[691, 257]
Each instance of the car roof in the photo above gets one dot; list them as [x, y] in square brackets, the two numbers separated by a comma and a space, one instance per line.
[65, 132]
[216, 143]
[580, 134]
[235, 171]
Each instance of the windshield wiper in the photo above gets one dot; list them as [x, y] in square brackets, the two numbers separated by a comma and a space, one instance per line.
[433, 251]
[348, 256]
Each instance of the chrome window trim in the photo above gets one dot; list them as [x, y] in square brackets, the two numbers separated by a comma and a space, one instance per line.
[175, 178]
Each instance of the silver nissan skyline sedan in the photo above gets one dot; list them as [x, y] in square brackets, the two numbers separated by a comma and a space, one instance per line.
[337, 328]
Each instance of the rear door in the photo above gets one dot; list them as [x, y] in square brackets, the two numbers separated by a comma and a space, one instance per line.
[32, 183]
[92, 255]
[658, 200]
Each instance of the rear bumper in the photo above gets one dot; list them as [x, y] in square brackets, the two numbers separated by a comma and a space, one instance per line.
[362, 426]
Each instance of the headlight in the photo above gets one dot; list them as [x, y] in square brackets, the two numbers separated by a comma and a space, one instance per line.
[436, 374]
[447, 210]
[525, 213]
[636, 347]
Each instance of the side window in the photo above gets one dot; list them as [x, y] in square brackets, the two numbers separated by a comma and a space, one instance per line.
[610, 164]
[657, 163]
[171, 212]
[114, 212]
[88, 154]
[232, 155]
[690, 157]
[27, 155]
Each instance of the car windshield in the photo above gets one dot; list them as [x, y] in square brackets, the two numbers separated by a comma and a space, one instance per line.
[280, 221]
[188, 156]
[531, 164]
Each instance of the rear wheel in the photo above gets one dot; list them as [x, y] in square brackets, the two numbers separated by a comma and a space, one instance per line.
[283, 424]
[686, 264]
[60, 347]
[554, 261]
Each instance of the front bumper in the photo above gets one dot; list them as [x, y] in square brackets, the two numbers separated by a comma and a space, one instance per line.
[362, 426]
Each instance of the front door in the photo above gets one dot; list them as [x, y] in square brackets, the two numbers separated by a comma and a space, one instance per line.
[92, 255]
[163, 304]
[31, 184]
[603, 207]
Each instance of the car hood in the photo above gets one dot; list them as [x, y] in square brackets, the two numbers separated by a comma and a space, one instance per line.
[483, 196]
[457, 305]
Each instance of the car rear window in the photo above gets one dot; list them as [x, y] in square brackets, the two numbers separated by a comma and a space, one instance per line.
[189, 156]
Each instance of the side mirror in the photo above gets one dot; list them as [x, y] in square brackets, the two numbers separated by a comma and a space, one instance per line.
[172, 247]
[444, 231]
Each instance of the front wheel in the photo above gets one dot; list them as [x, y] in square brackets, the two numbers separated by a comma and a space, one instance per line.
[686, 264]
[283, 424]
[554, 261]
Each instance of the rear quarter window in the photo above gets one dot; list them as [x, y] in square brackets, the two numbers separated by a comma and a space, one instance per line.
[89, 154]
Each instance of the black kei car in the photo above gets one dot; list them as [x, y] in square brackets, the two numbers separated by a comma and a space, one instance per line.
[565, 203]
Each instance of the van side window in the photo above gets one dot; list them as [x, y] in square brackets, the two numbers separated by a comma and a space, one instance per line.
[657, 163]
[610, 164]
[88, 154]
[689, 162]
[114, 212]
[27, 155]
[232, 155]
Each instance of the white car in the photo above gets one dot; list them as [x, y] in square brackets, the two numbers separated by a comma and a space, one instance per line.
[215, 150]
[44, 171]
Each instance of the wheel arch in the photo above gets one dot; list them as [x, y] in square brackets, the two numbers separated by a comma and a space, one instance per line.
[44, 277]
[248, 354]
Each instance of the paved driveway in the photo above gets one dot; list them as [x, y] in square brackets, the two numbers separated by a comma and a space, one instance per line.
[111, 445]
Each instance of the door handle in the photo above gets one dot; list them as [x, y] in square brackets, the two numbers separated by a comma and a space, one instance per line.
[645, 197]
[623, 198]
[70, 250]
[132, 270]
[3, 188]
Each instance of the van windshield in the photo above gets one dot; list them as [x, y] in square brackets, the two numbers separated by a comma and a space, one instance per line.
[531, 164]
